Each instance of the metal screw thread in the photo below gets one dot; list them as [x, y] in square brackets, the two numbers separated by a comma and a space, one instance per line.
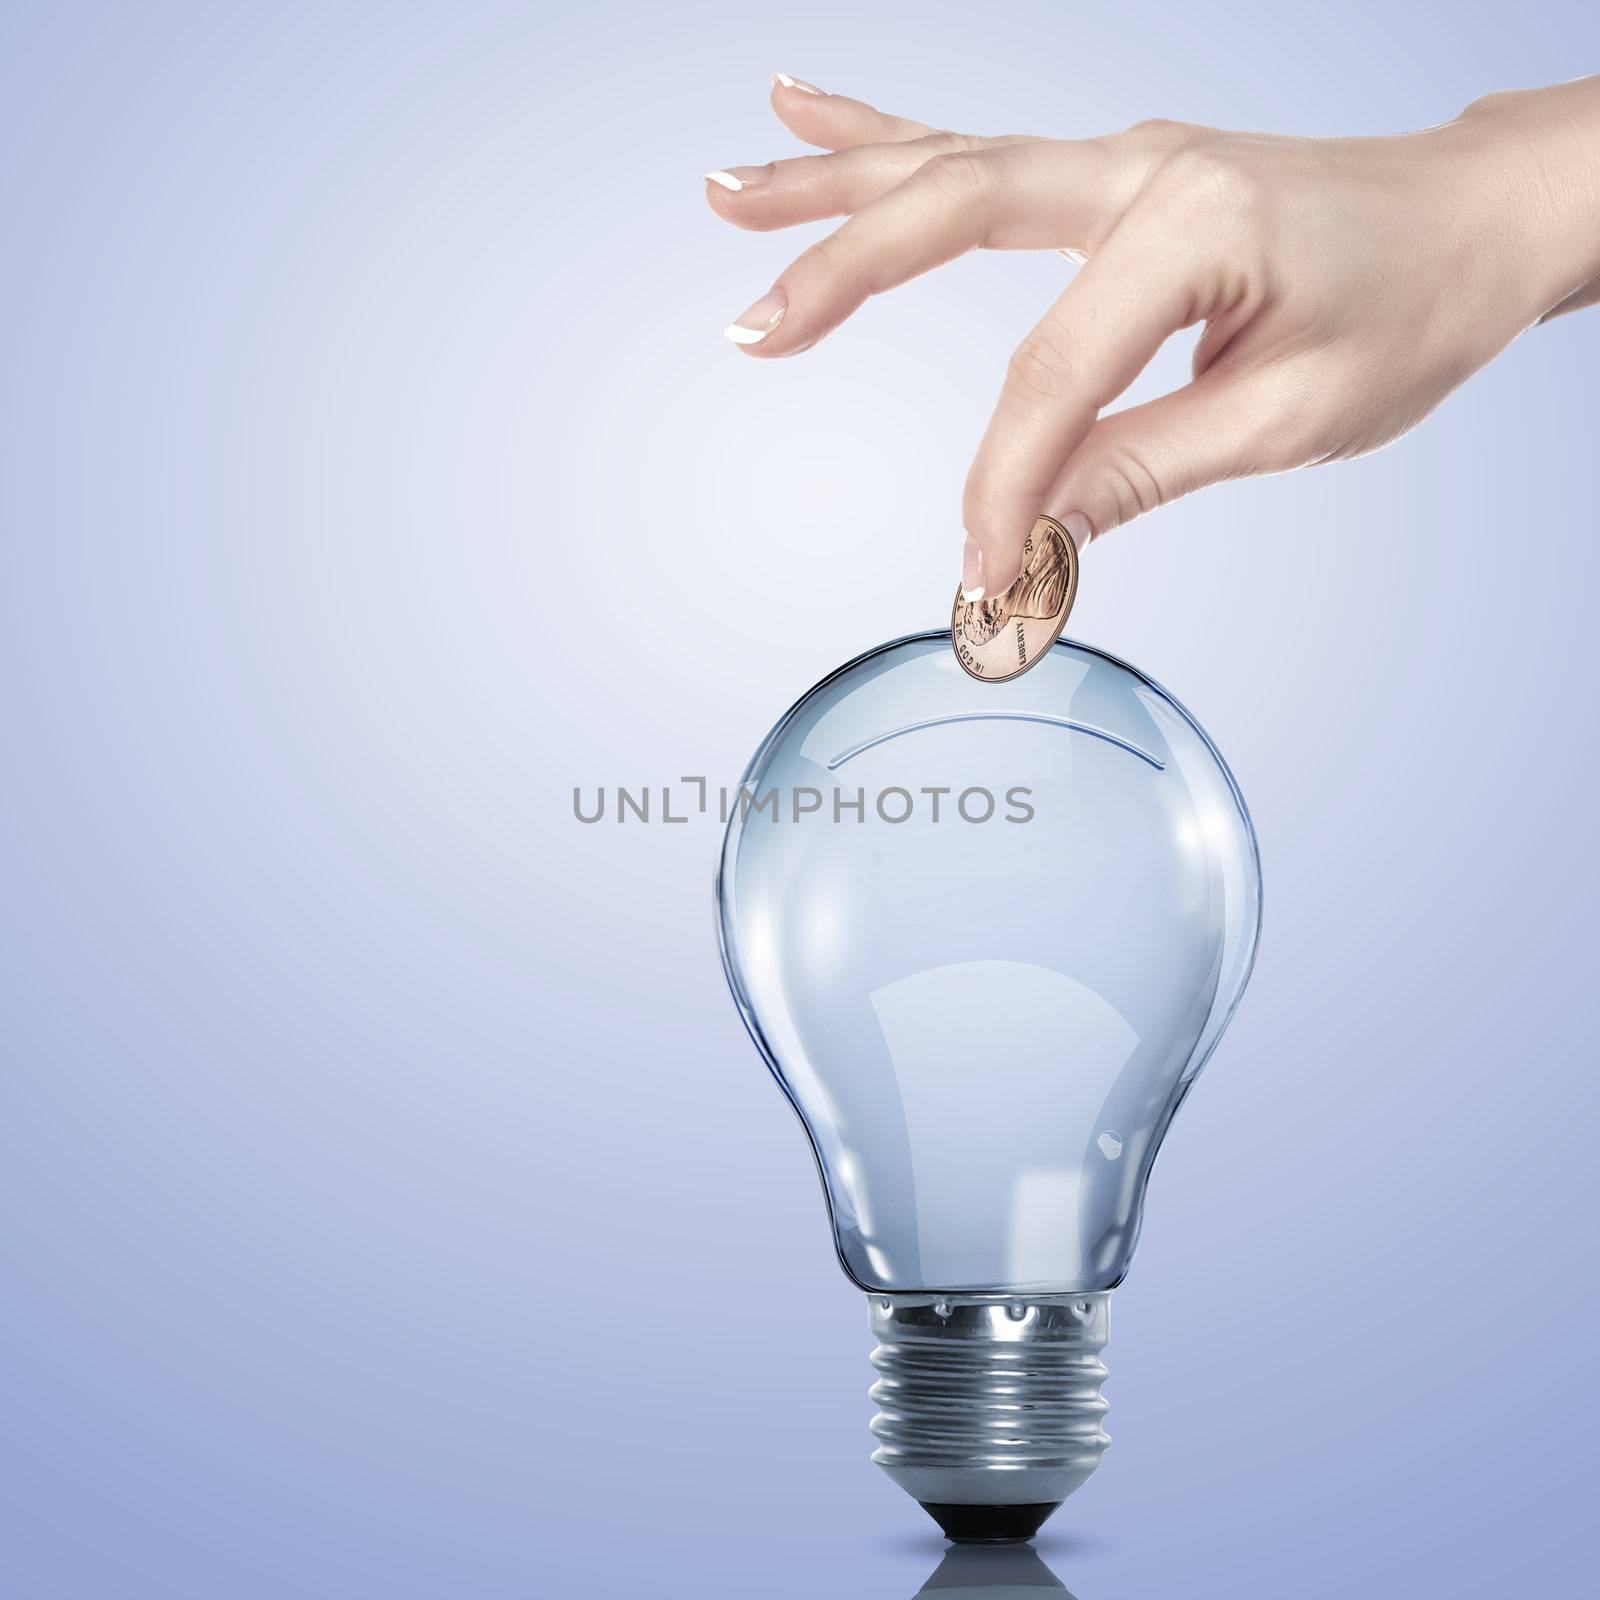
[989, 1399]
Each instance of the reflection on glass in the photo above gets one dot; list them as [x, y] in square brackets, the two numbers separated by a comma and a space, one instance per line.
[1008, 1572]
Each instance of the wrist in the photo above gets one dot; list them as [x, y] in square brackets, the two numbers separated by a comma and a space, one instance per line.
[1538, 152]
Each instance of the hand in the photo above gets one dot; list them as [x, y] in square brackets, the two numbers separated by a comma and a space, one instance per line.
[1345, 285]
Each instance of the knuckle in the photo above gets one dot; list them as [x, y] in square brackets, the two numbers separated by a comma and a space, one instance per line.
[1316, 410]
[959, 176]
[945, 143]
[1041, 368]
[1291, 426]
[1131, 482]
[829, 257]
[1212, 180]
[1496, 100]
[1161, 130]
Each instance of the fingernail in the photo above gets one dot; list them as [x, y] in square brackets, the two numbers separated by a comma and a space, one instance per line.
[783, 80]
[971, 571]
[733, 179]
[759, 320]
[1077, 525]
[1076, 257]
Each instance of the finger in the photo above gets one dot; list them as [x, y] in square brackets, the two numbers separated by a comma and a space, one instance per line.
[810, 188]
[1094, 342]
[1217, 428]
[834, 121]
[1014, 197]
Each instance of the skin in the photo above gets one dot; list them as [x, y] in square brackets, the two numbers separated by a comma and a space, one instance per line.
[1344, 286]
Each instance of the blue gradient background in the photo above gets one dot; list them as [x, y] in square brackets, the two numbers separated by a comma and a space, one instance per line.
[392, 1201]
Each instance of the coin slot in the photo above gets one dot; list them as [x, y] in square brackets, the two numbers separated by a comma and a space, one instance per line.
[1043, 717]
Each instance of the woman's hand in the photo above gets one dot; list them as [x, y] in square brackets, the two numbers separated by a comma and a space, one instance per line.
[1345, 285]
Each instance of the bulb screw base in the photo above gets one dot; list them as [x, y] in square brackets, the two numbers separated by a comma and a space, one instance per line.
[989, 1406]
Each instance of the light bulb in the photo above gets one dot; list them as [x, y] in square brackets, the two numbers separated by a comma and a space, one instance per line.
[985, 935]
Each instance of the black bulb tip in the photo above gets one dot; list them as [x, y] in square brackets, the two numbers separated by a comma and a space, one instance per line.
[989, 1524]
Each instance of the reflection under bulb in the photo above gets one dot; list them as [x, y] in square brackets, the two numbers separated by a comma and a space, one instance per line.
[985, 935]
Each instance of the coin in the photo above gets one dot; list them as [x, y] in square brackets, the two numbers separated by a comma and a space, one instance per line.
[997, 638]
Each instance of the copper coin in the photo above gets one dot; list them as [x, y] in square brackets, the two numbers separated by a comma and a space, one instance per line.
[998, 638]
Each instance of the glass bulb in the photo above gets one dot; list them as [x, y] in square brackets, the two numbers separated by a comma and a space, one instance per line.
[985, 935]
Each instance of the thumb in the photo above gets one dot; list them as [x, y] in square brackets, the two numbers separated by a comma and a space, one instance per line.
[1213, 429]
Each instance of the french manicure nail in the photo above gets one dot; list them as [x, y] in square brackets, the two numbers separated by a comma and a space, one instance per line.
[1077, 525]
[733, 179]
[783, 80]
[1076, 257]
[756, 323]
[971, 571]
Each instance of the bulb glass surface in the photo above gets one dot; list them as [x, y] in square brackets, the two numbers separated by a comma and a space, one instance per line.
[987, 1014]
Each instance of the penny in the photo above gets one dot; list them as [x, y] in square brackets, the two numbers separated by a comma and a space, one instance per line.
[998, 638]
